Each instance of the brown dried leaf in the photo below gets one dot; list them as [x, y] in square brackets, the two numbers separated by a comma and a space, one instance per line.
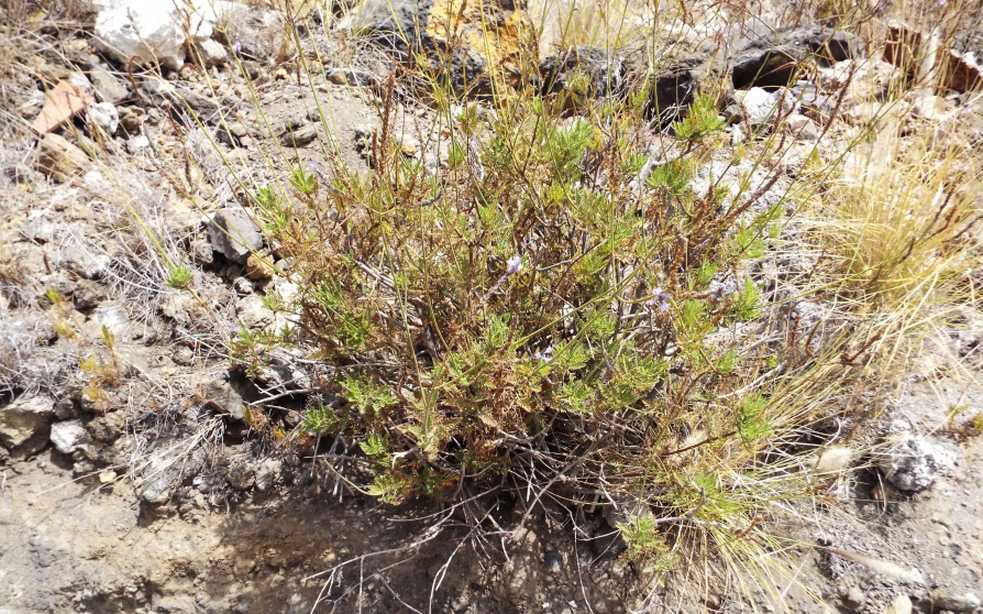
[61, 103]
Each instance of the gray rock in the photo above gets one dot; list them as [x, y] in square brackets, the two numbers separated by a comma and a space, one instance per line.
[108, 88]
[83, 262]
[912, 463]
[222, 395]
[178, 306]
[393, 23]
[162, 478]
[258, 34]
[183, 355]
[403, 28]
[853, 597]
[104, 115]
[241, 476]
[283, 371]
[761, 107]
[114, 318]
[253, 313]
[38, 228]
[900, 605]
[267, 472]
[31, 107]
[242, 286]
[352, 76]
[24, 419]
[69, 436]
[233, 234]
[300, 136]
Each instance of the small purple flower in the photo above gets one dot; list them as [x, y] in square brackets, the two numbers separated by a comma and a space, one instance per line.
[237, 47]
[514, 265]
[660, 300]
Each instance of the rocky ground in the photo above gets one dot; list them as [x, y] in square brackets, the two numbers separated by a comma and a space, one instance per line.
[131, 475]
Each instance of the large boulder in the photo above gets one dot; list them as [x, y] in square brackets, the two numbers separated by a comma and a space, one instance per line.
[145, 32]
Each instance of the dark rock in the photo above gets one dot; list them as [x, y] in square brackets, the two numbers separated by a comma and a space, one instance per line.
[299, 137]
[88, 294]
[396, 24]
[673, 90]
[65, 408]
[233, 234]
[604, 73]
[774, 60]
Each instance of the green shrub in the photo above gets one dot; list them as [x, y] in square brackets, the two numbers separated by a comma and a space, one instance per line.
[531, 315]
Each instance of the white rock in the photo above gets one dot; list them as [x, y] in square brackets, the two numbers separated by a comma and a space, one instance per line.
[153, 31]
[69, 436]
[761, 106]
[96, 182]
[213, 53]
[137, 144]
[901, 605]
[105, 115]
[834, 459]
[803, 127]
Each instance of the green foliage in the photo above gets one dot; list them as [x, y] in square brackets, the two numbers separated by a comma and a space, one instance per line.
[701, 120]
[673, 177]
[320, 420]
[304, 182]
[645, 541]
[179, 277]
[752, 421]
[747, 302]
[366, 396]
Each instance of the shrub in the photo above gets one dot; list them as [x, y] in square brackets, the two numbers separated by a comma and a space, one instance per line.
[532, 315]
